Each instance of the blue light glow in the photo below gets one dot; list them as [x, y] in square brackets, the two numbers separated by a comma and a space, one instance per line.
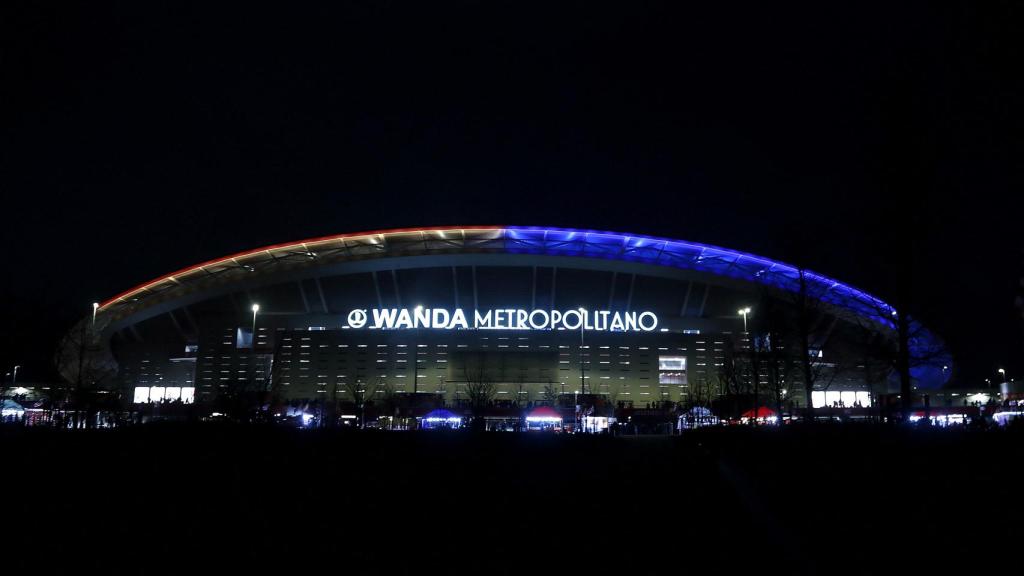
[441, 418]
[724, 262]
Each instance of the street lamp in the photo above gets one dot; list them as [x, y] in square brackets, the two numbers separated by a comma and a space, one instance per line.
[252, 350]
[415, 361]
[576, 411]
[743, 312]
[95, 307]
[1002, 373]
[255, 309]
[583, 382]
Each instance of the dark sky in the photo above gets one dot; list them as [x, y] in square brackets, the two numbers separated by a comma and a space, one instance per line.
[858, 140]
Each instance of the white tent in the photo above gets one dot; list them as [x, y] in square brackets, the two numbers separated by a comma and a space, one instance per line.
[12, 409]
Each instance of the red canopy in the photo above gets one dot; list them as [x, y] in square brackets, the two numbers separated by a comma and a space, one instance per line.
[546, 412]
[762, 412]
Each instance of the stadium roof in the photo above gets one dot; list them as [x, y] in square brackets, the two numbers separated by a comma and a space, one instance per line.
[847, 300]
[510, 239]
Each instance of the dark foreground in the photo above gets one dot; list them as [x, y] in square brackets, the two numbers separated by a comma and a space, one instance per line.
[243, 500]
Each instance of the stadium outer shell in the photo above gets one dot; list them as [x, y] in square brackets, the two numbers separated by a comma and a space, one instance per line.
[844, 300]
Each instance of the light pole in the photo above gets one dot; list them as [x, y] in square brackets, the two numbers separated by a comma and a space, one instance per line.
[255, 309]
[583, 382]
[743, 312]
[576, 412]
[1002, 374]
[415, 369]
[252, 350]
[95, 307]
[415, 362]
[14, 376]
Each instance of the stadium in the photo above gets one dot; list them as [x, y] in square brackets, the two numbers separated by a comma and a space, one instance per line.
[498, 320]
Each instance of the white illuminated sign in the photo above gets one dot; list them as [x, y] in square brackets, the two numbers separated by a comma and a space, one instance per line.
[501, 319]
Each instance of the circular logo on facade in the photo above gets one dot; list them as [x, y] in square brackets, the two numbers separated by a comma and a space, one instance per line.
[357, 318]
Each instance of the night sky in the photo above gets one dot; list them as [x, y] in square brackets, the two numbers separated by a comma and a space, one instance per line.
[857, 140]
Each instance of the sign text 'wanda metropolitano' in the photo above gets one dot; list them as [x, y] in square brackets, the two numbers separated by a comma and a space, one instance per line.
[501, 319]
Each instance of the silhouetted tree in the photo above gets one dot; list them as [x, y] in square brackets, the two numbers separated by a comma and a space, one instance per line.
[551, 393]
[273, 397]
[701, 395]
[479, 391]
[728, 378]
[808, 307]
[901, 344]
[85, 363]
[361, 394]
[390, 401]
[521, 392]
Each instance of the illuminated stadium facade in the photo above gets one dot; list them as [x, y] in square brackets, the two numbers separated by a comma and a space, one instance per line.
[429, 311]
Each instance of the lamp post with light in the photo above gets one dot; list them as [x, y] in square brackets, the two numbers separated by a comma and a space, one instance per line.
[576, 412]
[252, 349]
[583, 382]
[743, 312]
[255, 310]
[415, 363]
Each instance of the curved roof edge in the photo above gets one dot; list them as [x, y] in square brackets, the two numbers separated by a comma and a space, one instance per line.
[567, 241]
[640, 248]
[300, 244]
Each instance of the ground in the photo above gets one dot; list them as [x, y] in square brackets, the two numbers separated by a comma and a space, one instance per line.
[827, 499]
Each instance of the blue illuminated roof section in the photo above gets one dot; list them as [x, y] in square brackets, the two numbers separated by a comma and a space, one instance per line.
[731, 264]
[698, 257]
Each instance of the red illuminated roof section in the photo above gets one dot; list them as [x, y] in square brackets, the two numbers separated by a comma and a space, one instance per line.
[307, 245]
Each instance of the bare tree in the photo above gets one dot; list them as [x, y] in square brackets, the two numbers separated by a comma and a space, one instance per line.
[774, 344]
[479, 391]
[275, 374]
[699, 398]
[754, 364]
[701, 393]
[613, 395]
[798, 326]
[520, 391]
[876, 354]
[551, 393]
[908, 172]
[85, 363]
[390, 399]
[248, 394]
[729, 378]
[902, 345]
[808, 303]
[361, 394]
